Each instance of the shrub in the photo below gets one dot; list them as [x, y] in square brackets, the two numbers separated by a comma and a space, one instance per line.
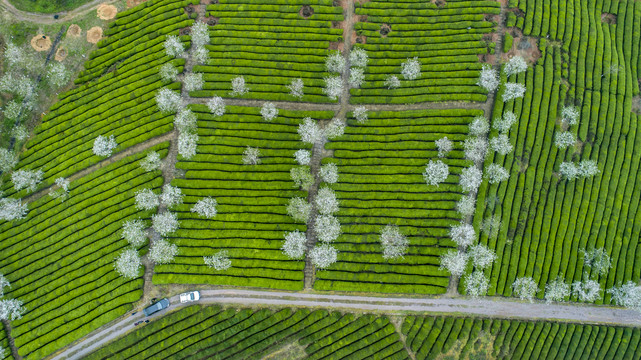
[303, 157]
[128, 264]
[489, 78]
[462, 234]
[394, 243]
[165, 223]
[162, 251]
[269, 111]
[436, 172]
[104, 146]
[476, 284]
[173, 47]
[295, 244]
[479, 126]
[302, 177]
[360, 114]
[455, 262]
[296, 88]
[470, 179]
[481, 256]
[151, 162]
[219, 261]
[216, 106]
[146, 200]
[504, 123]
[168, 101]
[309, 131]
[392, 82]
[329, 173]
[496, 173]
[358, 57]
[193, 81]
[515, 66]
[323, 256]
[333, 87]
[187, 144]
[501, 144]
[299, 209]
[168, 72]
[475, 148]
[26, 179]
[513, 91]
[564, 139]
[205, 207]
[411, 69]
[327, 228]
[335, 62]
[556, 290]
[586, 291]
[334, 129]
[12, 209]
[171, 195]
[466, 206]
[444, 146]
[597, 259]
[134, 232]
[326, 202]
[238, 86]
[525, 288]
[251, 156]
[356, 77]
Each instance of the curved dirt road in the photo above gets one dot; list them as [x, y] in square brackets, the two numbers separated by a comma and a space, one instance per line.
[40, 18]
[489, 307]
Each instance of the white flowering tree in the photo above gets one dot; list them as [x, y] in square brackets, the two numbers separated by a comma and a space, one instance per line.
[476, 284]
[597, 259]
[334, 129]
[488, 79]
[200, 54]
[556, 290]
[466, 206]
[481, 256]
[496, 173]
[134, 231]
[514, 66]
[187, 145]
[513, 91]
[19, 132]
[168, 101]
[326, 202]
[302, 177]
[444, 146]
[216, 106]
[463, 234]
[628, 295]
[392, 82]
[586, 291]
[360, 114]
[128, 264]
[501, 144]
[62, 189]
[471, 179]
[569, 170]
[11, 110]
[165, 223]
[174, 47]
[162, 251]
[193, 81]
[104, 146]
[168, 72]
[356, 77]
[299, 209]
[333, 87]
[491, 225]
[505, 122]
[570, 115]
[26, 179]
[411, 69]
[14, 55]
[251, 156]
[525, 288]
[329, 173]
[151, 162]
[358, 57]
[238, 86]
[394, 243]
[455, 262]
[219, 261]
[564, 139]
[479, 126]
[199, 34]
[8, 160]
[146, 199]
[435, 172]
[587, 168]
[309, 131]
[303, 157]
[57, 74]
[295, 244]
[11, 309]
[323, 256]
[296, 88]
[327, 228]
[335, 62]
[3, 284]
[12, 209]
[475, 148]
[205, 207]
[171, 195]
[269, 111]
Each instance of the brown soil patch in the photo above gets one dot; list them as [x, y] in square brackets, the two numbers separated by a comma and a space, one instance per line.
[74, 31]
[106, 12]
[636, 104]
[439, 3]
[190, 9]
[524, 46]
[306, 11]
[184, 31]
[41, 42]
[336, 45]
[609, 18]
[362, 39]
[61, 54]
[211, 21]
[385, 29]
[132, 3]
[94, 34]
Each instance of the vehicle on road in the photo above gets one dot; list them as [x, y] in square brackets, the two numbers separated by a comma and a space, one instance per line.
[189, 296]
[162, 304]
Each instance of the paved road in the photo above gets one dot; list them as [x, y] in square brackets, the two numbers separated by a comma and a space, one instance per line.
[489, 307]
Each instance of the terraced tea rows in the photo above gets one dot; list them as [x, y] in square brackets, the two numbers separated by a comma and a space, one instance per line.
[59, 259]
[447, 42]
[252, 200]
[380, 165]
[270, 44]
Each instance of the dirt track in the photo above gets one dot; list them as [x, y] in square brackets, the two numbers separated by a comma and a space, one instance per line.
[48, 18]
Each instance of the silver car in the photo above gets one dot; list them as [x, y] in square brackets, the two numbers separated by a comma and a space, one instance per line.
[189, 296]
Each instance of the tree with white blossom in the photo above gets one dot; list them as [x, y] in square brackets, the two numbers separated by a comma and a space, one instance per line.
[269, 111]
[496, 173]
[173, 46]
[8, 160]
[587, 168]
[200, 54]
[586, 291]
[481, 256]
[302, 177]
[392, 82]
[14, 55]
[570, 115]
[171, 195]
[488, 79]
[597, 259]
[199, 34]
[564, 139]
[327, 228]
[515, 65]
[505, 122]
[360, 114]
[444, 146]
[205, 207]
[162, 251]
[556, 290]
[165, 223]
[216, 106]
[187, 145]
[20, 132]
[411, 69]
[455, 262]
[299, 209]
[128, 264]
[11, 110]
[323, 256]
[476, 284]
[466, 206]
[62, 189]
[219, 261]
[104, 146]
[296, 88]
[479, 126]
[3, 284]
[358, 57]
[513, 91]
[326, 202]
[12, 209]
[471, 179]
[193, 81]
[11, 309]
[394, 243]
[329, 173]
[168, 72]
[334, 129]
[238, 86]
[26, 179]
[151, 162]
[134, 232]
[309, 131]
[146, 199]
[333, 87]
[525, 288]
[303, 157]
[57, 74]
[168, 101]
[295, 244]
[251, 156]
[475, 148]
[356, 77]
[569, 170]
[628, 295]
[335, 62]
[463, 234]
[435, 172]
[501, 144]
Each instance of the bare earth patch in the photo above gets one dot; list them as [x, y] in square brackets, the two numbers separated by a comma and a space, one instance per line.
[94, 34]
[106, 12]
[41, 42]
[524, 46]
[61, 54]
[609, 18]
[132, 3]
[306, 11]
[74, 31]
